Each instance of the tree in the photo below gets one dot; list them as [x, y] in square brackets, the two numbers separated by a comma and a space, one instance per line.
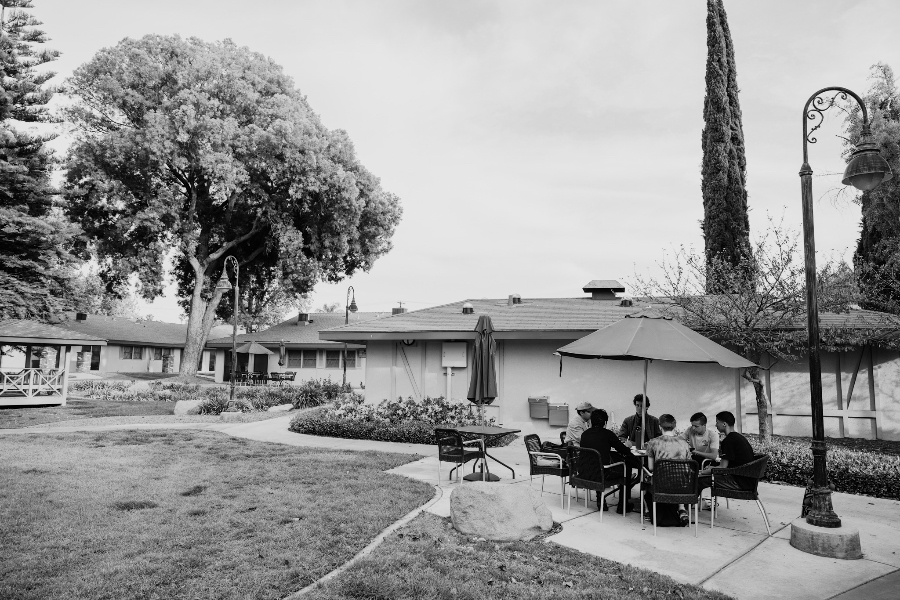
[87, 292]
[330, 308]
[208, 150]
[725, 226]
[35, 239]
[762, 314]
[877, 256]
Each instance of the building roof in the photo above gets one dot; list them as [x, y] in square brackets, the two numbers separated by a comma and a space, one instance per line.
[122, 330]
[603, 284]
[14, 331]
[293, 333]
[542, 318]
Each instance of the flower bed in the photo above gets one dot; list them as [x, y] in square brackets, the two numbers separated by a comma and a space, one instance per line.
[851, 471]
[409, 421]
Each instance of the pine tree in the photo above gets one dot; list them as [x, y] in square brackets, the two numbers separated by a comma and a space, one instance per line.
[34, 237]
[725, 226]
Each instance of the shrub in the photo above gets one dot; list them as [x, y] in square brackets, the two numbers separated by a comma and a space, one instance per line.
[851, 471]
[408, 421]
[316, 392]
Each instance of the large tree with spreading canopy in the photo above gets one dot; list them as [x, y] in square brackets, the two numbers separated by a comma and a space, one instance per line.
[201, 150]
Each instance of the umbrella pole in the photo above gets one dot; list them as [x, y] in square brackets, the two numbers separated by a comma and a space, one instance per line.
[644, 406]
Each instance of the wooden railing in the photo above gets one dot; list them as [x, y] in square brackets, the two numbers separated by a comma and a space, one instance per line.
[29, 383]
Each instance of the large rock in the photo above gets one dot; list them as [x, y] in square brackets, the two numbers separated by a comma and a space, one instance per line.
[187, 407]
[280, 408]
[498, 512]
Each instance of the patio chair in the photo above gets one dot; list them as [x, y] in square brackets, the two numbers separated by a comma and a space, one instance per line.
[288, 376]
[452, 448]
[577, 481]
[676, 482]
[546, 463]
[754, 470]
[562, 437]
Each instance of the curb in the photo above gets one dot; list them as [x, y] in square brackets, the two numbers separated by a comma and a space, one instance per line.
[368, 549]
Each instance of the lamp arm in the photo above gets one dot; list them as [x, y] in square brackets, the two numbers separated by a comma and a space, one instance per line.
[814, 111]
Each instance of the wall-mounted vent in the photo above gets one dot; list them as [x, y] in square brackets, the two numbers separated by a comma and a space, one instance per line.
[81, 316]
[468, 309]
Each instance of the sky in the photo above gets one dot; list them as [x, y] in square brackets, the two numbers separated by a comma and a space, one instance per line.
[536, 146]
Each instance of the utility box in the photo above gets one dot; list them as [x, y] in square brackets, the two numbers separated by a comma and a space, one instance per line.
[558, 414]
[538, 407]
[453, 354]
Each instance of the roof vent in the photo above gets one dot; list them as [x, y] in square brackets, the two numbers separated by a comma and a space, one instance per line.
[468, 309]
[514, 299]
[81, 316]
[626, 301]
[303, 319]
[603, 289]
[399, 310]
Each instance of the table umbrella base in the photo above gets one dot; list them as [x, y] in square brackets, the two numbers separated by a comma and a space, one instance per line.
[480, 476]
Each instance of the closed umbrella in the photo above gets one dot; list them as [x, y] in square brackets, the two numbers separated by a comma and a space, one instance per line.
[282, 353]
[651, 336]
[483, 385]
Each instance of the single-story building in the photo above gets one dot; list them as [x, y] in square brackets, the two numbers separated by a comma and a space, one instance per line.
[34, 361]
[408, 355]
[305, 354]
[133, 346]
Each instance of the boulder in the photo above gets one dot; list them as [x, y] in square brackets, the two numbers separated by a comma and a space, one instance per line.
[281, 408]
[231, 415]
[187, 407]
[498, 512]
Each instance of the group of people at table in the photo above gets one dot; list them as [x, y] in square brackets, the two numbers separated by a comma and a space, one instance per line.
[588, 429]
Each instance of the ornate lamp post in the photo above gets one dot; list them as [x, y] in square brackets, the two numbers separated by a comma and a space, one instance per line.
[225, 285]
[865, 171]
[349, 307]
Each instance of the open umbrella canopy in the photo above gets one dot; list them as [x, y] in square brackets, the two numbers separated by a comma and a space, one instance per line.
[483, 385]
[253, 348]
[652, 337]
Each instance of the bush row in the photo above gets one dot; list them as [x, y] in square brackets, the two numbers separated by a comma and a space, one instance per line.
[408, 421]
[851, 471]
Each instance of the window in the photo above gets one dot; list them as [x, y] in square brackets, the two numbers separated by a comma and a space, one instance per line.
[351, 359]
[158, 353]
[295, 359]
[309, 359]
[212, 360]
[131, 352]
[332, 359]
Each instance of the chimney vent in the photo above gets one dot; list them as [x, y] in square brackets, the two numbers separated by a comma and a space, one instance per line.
[399, 310]
[514, 299]
[303, 319]
[603, 289]
[468, 309]
[81, 316]
[626, 302]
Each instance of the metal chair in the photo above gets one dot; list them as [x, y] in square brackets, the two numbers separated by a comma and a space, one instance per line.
[577, 481]
[675, 482]
[452, 448]
[546, 463]
[753, 470]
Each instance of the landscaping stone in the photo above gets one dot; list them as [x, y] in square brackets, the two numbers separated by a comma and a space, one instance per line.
[280, 408]
[232, 415]
[187, 407]
[501, 513]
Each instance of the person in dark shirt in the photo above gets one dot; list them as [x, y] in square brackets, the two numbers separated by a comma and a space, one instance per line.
[630, 431]
[734, 451]
[611, 450]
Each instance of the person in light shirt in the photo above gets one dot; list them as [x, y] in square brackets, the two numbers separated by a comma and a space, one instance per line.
[579, 423]
[704, 442]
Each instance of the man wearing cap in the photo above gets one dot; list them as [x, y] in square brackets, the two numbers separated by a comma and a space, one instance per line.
[630, 431]
[579, 423]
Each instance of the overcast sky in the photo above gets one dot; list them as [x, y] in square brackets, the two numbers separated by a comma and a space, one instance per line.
[535, 145]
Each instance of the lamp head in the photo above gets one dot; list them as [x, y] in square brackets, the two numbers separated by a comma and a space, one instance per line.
[353, 307]
[867, 168]
[223, 283]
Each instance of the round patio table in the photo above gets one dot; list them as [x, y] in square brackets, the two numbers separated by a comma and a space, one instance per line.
[487, 433]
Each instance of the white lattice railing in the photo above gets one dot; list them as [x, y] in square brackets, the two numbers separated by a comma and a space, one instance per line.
[32, 382]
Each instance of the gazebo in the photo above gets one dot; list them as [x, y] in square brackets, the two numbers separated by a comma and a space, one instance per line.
[34, 362]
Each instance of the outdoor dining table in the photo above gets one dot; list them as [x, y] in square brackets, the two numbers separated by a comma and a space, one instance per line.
[487, 433]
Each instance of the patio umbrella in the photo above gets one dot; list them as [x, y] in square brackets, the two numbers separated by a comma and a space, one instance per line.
[483, 385]
[651, 336]
[253, 348]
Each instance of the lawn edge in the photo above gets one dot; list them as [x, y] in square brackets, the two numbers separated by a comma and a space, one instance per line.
[369, 548]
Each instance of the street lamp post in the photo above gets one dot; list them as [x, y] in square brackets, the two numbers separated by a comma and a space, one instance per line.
[349, 307]
[225, 285]
[865, 171]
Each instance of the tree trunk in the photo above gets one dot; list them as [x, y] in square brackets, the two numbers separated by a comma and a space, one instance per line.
[752, 374]
[200, 321]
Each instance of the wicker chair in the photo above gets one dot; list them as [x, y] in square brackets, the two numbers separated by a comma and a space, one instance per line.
[676, 482]
[754, 470]
[577, 482]
[562, 437]
[452, 448]
[546, 463]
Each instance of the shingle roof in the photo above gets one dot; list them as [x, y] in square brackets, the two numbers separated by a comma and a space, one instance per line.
[13, 329]
[128, 331]
[292, 333]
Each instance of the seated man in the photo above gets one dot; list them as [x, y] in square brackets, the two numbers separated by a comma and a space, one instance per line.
[611, 450]
[630, 431]
[734, 451]
[667, 446]
[704, 443]
[579, 423]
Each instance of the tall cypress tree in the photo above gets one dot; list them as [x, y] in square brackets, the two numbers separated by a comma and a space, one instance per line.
[726, 227]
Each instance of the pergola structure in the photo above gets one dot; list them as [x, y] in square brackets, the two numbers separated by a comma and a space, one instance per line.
[42, 377]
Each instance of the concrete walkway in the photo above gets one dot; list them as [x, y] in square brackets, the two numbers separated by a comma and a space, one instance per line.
[736, 557]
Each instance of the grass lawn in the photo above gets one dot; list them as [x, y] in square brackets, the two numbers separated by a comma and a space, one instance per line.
[185, 514]
[12, 418]
[428, 559]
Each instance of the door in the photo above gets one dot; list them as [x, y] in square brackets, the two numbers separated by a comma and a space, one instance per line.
[261, 363]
